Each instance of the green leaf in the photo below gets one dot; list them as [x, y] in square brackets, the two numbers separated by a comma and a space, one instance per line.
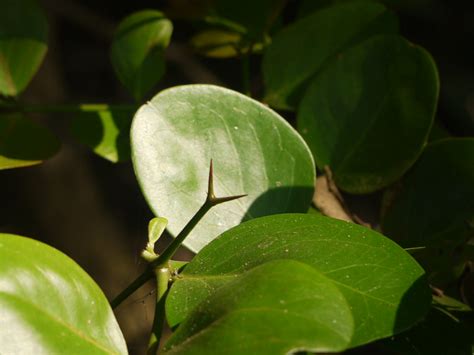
[384, 286]
[449, 304]
[369, 113]
[23, 44]
[106, 131]
[275, 308]
[222, 44]
[50, 305]
[156, 227]
[250, 18]
[255, 152]
[24, 142]
[299, 51]
[137, 51]
[433, 207]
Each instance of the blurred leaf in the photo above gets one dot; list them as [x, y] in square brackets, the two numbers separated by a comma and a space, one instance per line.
[435, 207]
[106, 131]
[50, 305]
[137, 51]
[221, 44]
[23, 44]
[255, 152]
[300, 50]
[368, 114]
[457, 98]
[248, 17]
[244, 315]
[308, 6]
[439, 334]
[435, 203]
[24, 142]
[383, 284]
[450, 304]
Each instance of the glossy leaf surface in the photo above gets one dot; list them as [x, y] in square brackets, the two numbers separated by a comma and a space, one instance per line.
[138, 48]
[255, 152]
[274, 308]
[300, 50]
[106, 131]
[434, 206]
[23, 44]
[23, 142]
[383, 284]
[49, 305]
[368, 114]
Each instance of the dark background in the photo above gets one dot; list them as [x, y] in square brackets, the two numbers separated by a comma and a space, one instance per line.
[93, 210]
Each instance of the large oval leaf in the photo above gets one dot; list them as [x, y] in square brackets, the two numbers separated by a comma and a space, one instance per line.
[49, 305]
[300, 50]
[433, 207]
[254, 150]
[369, 113]
[23, 142]
[276, 308]
[137, 50]
[383, 284]
[23, 44]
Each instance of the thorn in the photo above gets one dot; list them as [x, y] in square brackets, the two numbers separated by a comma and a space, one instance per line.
[211, 197]
[218, 200]
[210, 183]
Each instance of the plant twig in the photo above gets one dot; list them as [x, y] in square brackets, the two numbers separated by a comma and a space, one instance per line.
[164, 258]
[163, 276]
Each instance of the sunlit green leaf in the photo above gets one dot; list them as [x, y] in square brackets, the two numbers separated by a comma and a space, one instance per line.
[275, 308]
[106, 131]
[383, 284]
[49, 305]
[300, 50]
[254, 150]
[368, 114]
[23, 142]
[137, 51]
[23, 44]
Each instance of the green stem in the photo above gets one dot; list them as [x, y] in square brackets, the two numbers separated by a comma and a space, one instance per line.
[17, 107]
[135, 285]
[173, 247]
[162, 283]
[163, 259]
